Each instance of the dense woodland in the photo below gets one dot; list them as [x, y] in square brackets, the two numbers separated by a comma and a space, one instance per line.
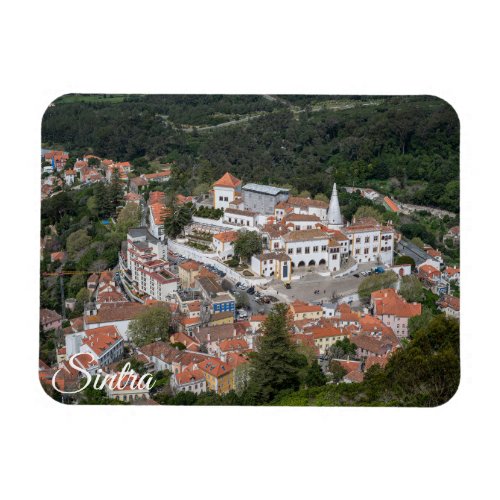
[404, 146]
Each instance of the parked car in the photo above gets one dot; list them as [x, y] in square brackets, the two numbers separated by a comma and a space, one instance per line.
[251, 290]
[288, 286]
[356, 275]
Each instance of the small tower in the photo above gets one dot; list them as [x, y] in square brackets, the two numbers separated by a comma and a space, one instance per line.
[334, 216]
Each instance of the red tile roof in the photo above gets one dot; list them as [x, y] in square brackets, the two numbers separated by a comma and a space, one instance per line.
[388, 302]
[227, 180]
[215, 367]
[227, 236]
[391, 204]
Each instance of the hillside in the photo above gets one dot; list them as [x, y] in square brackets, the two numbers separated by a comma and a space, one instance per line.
[406, 146]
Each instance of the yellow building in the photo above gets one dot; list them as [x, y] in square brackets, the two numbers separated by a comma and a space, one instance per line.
[188, 272]
[219, 375]
[301, 310]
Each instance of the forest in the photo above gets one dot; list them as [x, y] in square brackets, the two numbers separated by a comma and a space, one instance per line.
[407, 147]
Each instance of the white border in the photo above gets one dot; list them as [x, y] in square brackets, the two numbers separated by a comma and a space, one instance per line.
[363, 47]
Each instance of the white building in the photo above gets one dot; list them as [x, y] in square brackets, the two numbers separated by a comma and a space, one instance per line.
[147, 264]
[224, 244]
[226, 189]
[307, 248]
[69, 177]
[104, 343]
[272, 264]
[238, 217]
[371, 242]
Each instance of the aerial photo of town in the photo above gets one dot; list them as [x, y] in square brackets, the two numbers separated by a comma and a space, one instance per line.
[289, 250]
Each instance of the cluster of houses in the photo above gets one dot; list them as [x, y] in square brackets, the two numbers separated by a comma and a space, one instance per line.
[211, 352]
[91, 169]
[209, 349]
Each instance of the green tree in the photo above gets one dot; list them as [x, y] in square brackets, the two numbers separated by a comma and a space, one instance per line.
[115, 191]
[77, 241]
[76, 282]
[83, 296]
[337, 371]
[242, 300]
[204, 187]
[367, 211]
[417, 323]
[322, 197]
[411, 288]
[276, 364]
[376, 282]
[180, 216]
[151, 325]
[418, 241]
[247, 244]
[129, 216]
[315, 376]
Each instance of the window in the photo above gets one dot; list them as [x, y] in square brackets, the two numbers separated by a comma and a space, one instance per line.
[299, 250]
[357, 251]
[221, 198]
[323, 248]
[307, 250]
[290, 251]
[366, 251]
[315, 249]
[375, 238]
[358, 240]
[226, 198]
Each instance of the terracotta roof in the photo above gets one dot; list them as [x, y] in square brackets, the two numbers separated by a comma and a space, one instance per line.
[108, 313]
[319, 332]
[391, 204]
[189, 375]
[451, 271]
[227, 180]
[428, 270]
[233, 345]
[306, 202]
[376, 360]
[159, 212]
[235, 359]
[227, 236]
[102, 338]
[301, 217]
[387, 301]
[49, 316]
[355, 376]
[215, 367]
[450, 301]
[302, 307]
[433, 253]
[189, 265]
[372, 344]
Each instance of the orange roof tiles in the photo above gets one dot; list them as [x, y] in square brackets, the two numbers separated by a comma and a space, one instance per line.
[215, 367]
[189, 265]
[391, 204]
[388, 302]
[227, 236]
[227, 180]
[302, 307]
